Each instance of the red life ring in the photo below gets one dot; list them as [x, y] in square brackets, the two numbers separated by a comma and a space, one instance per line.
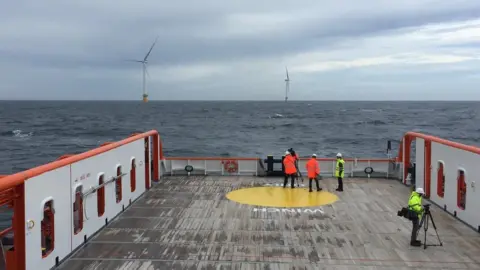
[230, 166]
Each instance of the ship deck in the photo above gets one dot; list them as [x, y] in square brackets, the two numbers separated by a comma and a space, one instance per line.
[187, 223]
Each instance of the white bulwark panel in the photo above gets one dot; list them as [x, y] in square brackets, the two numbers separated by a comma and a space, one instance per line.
[209, 166]
[358, 168]
[327, 168]
[59, 186]
[455, 159]
[55, 186]
[419, 163]
[85, 173]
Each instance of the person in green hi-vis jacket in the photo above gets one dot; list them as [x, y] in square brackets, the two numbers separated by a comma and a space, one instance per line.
[416, 208]
[339, 171]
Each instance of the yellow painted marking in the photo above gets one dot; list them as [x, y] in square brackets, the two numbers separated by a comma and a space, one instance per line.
[281, 197]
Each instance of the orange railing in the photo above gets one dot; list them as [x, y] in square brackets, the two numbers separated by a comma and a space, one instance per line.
[12, 190]
[405, 148]
[305, 158]
[12, 187]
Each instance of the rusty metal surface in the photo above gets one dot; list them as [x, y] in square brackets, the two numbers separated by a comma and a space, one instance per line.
[187, 223]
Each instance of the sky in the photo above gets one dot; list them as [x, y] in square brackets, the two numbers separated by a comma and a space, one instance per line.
[238, 50]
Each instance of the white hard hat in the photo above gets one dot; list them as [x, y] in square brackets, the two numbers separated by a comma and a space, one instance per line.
[287, 153]
[314, 155]
[420, 190]
[339, 155]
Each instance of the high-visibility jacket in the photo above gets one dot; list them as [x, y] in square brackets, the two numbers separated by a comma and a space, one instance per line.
[296, 158]
[313, 169]
[289, 163]
[415, 203]
[339, 169]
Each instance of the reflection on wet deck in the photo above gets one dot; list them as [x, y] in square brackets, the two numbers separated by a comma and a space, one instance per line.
[187, 223]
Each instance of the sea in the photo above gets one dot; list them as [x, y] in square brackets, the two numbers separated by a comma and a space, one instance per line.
[37, 132]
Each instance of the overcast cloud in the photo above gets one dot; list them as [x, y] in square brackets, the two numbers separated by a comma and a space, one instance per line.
[218, 50]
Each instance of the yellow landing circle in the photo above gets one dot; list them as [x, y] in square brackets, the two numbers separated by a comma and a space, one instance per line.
[281, 197]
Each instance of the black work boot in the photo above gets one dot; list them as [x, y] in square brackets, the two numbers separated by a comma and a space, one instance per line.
[416, 243]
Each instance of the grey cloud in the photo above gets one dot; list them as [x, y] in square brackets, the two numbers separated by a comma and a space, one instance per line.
[129, 35]
[473, 44]
[101, 34]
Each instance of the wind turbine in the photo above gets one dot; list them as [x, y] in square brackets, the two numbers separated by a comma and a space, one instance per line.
[145, 72]
[287, 85]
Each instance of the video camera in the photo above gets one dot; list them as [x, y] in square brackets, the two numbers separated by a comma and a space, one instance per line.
[426, 216]
[408, 214]
[404, 212]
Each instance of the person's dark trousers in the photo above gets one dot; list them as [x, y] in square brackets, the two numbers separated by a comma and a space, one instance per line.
[310, 184]
[413, 239]
[285, 181]
[340, 184]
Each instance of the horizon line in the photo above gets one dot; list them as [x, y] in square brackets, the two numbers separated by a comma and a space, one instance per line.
[243, 100]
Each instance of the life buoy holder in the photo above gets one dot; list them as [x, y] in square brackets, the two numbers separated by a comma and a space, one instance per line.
[368, 170]
[230, 166]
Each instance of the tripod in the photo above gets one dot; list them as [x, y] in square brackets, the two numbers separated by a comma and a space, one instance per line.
[299, 174]
[427, 215]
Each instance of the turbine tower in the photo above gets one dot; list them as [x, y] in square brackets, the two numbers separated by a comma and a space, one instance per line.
[287, 85]
[145, 72]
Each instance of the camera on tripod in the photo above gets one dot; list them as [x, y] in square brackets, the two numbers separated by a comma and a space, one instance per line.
[406, 213]
[403, 212]
[409, 214]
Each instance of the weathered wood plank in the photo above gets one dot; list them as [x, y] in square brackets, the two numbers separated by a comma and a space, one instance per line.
[187, 223]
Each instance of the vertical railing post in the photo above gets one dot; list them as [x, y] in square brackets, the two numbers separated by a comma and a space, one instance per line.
[161, 157]
[427, 167]
[156, 156]
[351, 169]
[19, 262]
[403, 161]
[407, 149]
[333, 168]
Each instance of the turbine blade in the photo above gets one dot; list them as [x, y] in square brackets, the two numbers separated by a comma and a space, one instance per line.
[151, 48]
[132, 60]
[287, 73]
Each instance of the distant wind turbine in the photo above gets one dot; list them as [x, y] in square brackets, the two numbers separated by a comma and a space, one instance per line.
[145, 72]
[287, 85]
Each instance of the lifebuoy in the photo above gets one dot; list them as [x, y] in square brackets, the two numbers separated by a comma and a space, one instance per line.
[368, 170]
[189, 168]
[230, 166]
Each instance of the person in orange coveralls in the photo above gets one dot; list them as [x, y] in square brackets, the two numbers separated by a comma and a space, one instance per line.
[290, 169]
[313, 170]
[297, 159]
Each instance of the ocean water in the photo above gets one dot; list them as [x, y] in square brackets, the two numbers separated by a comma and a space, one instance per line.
[36, 132]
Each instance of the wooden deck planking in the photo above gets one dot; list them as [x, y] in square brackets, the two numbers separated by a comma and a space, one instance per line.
[187, 223]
